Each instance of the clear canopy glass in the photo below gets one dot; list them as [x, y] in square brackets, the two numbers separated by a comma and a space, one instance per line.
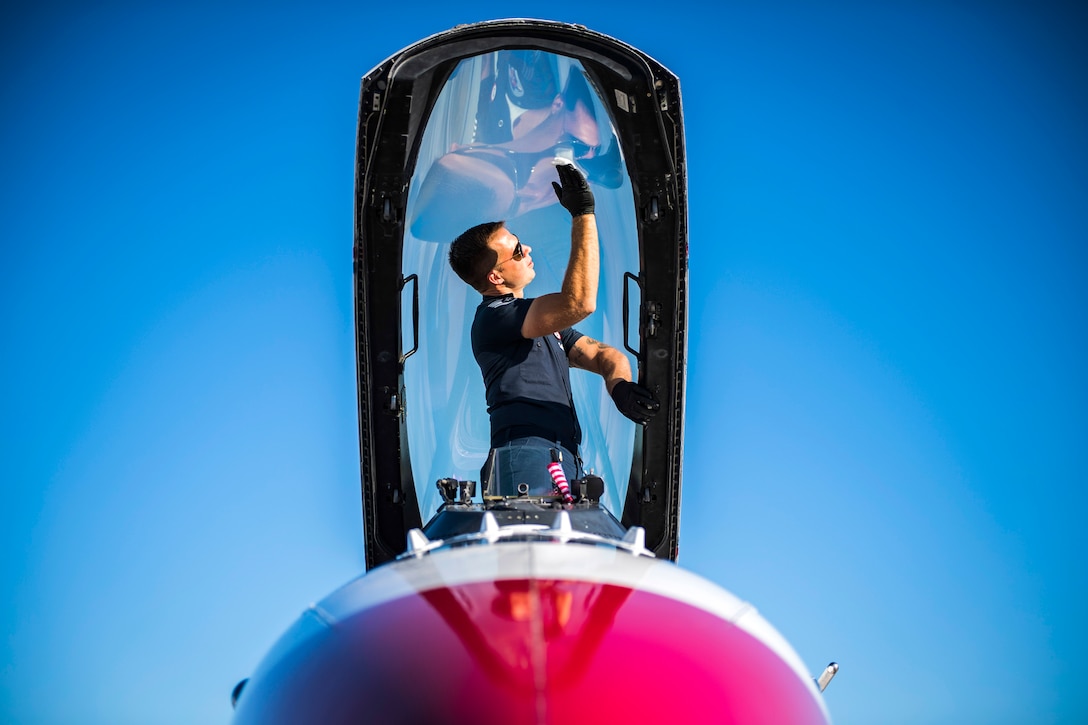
[487, 154]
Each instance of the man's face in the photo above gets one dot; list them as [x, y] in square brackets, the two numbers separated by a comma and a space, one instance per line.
[515, 264]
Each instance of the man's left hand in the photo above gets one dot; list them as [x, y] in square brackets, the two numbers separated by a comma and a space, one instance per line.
[635, 401]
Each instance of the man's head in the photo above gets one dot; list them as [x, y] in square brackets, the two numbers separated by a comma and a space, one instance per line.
[486, 255]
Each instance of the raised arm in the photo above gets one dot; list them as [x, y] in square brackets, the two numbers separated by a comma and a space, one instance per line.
[578, 297]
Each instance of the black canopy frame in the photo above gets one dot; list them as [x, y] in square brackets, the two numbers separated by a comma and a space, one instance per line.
[395, 103]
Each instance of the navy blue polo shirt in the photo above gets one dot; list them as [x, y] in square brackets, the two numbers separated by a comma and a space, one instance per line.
[526, 381]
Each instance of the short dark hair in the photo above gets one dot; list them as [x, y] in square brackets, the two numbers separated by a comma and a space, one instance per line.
[470, 256]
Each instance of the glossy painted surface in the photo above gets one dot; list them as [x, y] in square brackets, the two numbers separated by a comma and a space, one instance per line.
[398, 646]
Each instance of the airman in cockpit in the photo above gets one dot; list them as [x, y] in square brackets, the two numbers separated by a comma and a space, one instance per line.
[526, 346]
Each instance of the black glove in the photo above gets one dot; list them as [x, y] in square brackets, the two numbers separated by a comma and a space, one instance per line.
[574, 194]
[635, 401]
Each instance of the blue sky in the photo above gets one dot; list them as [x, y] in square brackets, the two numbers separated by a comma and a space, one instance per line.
[887, 426]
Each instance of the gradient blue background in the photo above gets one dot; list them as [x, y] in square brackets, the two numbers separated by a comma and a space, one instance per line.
[888, 414]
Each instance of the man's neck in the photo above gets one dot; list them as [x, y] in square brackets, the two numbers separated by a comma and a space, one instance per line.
[503, 291]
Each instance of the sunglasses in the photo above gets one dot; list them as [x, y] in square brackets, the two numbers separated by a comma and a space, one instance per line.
[518, 255]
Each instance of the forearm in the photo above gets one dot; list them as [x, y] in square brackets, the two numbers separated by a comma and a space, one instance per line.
[634, 401]
[583, 269]
[613, 367]
[596, 357]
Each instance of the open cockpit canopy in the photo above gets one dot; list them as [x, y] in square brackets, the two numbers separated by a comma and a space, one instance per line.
[462, 128]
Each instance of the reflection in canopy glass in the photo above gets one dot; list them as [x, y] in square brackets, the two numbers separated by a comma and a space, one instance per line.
[487, 154]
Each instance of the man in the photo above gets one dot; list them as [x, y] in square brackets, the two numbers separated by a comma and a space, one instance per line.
[525, 346]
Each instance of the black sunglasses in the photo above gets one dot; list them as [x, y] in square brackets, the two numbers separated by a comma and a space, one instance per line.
[518, 255]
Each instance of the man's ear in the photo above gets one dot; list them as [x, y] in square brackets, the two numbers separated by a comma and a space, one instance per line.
[494, 278]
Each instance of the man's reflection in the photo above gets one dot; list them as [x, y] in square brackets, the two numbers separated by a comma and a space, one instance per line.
[529, 111]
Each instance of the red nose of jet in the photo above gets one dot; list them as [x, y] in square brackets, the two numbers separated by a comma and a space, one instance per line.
[597, 648]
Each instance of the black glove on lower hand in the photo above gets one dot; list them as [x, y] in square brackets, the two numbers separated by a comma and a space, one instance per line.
[574, 194]
[635, 401]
